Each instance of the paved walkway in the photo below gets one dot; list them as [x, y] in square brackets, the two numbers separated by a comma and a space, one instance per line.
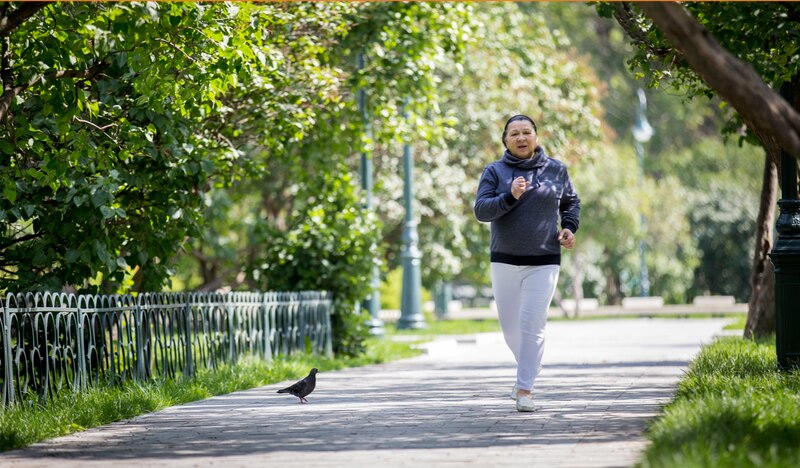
[602, 382]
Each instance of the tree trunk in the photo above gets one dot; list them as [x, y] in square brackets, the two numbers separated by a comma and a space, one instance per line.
[9, 21]
[559, 303]
[577, 281]
[613, 296]
[612, 289]
[761, 306]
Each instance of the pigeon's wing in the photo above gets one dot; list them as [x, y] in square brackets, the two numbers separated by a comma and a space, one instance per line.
[309, 383]
[296, 388]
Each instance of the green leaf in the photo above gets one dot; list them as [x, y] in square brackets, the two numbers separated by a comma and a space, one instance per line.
[107, 212]
[72, 255]
[6, 147]
[99, 197]
[10, 192]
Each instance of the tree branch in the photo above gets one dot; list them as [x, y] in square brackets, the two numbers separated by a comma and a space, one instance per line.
[626, 18]
[190, 59]
[8, 272]
[733, 80]
[12, 21]
[10, 92]
[100, 129]
[92, 124]
[17, 240]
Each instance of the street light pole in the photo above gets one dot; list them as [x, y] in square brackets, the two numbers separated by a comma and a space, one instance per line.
[373, 302]
[785, 256]
[410, 305]
[642, 132]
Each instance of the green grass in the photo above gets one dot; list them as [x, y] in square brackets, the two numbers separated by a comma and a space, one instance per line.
[29, 422]
[739, 324]
[732, 409]
[465, 327]
[446, 327]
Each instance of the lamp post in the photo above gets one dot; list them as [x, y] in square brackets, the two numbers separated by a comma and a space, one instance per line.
[373, 302]
[785, 256]
[642, 132]
[410, 304]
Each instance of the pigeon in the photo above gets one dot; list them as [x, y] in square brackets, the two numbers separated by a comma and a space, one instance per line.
[303, 387]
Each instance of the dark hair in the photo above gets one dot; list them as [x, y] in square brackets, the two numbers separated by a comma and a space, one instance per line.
[514, 119]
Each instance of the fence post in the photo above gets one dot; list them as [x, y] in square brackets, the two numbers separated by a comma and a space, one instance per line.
[187, 313]
[82, 376]
[231, 330]
[302, 320]
[297, 315]
[139, 330]
[266, 332]
[286, 315]
[8, 378]
[328, 310]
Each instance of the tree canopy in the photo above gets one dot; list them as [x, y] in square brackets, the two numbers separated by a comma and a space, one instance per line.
[750, 51]
[742, 53]
[206, 146]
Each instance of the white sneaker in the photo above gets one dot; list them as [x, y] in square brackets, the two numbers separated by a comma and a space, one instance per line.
[514, 393]
[525, 404]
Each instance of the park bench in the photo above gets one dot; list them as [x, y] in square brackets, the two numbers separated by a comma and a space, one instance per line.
[714, 301]
[649, 302]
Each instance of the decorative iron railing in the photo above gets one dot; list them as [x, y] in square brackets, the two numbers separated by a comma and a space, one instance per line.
[56, 341]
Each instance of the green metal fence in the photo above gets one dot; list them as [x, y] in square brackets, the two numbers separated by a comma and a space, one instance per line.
[57, 341]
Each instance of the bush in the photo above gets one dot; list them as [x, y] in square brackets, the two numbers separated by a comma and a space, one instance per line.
[331, 245]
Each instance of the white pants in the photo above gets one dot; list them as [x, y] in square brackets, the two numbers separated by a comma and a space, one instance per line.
[523, 295]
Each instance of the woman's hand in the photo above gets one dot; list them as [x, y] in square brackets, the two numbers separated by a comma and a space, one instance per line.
[566, 238]
[518, 187]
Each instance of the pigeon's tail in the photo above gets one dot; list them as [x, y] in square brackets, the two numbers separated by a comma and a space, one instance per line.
[285, 390]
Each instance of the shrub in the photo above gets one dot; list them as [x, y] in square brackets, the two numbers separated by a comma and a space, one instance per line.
[332, 245]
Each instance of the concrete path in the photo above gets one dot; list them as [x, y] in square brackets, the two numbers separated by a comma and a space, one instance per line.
[602, 382]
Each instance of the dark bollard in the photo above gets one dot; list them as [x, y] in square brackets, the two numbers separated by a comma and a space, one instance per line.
[785, 256]
[441, 299]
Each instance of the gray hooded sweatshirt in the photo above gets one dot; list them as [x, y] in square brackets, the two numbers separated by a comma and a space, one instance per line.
[525, 231]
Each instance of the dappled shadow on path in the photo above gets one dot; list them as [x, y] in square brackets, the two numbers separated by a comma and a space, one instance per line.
[405, 405]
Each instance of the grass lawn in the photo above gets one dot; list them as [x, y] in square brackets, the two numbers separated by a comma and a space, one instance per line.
[467, 326]
[29, 422]
[446, 327]
[732, 409]
[738, 324]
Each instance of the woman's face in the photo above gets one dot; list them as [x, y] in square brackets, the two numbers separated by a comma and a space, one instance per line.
[521, 139]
